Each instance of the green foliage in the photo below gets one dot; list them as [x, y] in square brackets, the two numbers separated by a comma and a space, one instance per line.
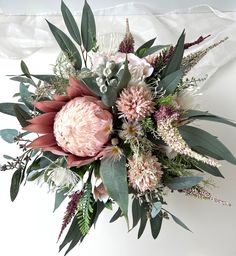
[25, 69]
[207, 168]
[67, 46]
[114, 177]
[156, 223]
[16, 180]
[85, 209]
[8, 135]
[22, 115]
[116, 216]
[183, 182]
[176, 58]
[70, 23]
[88, 28]
[165, 100]
[8, 108]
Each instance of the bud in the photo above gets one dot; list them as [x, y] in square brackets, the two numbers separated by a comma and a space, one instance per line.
[127, 45]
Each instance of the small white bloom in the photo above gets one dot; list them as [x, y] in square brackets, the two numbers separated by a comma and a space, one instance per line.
[63, 177]
[99, 81]
[103, 88]
[98, 190]
[107, 72]
[110, 64]
[113, 82]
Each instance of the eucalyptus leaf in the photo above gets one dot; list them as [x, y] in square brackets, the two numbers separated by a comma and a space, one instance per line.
[114, 177]
[109, 98]
[125, 78]
[25, 69]
[22, 79]
[90, 82]
[8, 108]
[176, 58]
[16, 180]
[8, 135]
[156, 223]
[171, 81]
[197, 114]
[209, 169]
[99, 208]
[179, 222]
[116, 216]
[46, 78]
[143, 48]
[21, 115]
[26, 96]
[183, 182]
[70, 23]
[154, 49]
[60, 196]
[198, 137]
[67, 46]
[136, 212]
[88, 28]
[8, 157]
[143, 221]
[156, 208]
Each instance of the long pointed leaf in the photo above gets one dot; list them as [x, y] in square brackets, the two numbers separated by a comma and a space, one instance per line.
[183, 182]
[209, 169]
[70, 23]
[67, 46]
[156, 225]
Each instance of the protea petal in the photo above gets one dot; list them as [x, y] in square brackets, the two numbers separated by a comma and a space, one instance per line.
[56, 150]
[49, 106]
[43, 141]
[39, 128]
[61, 98]
[73, 160]
[47, 118]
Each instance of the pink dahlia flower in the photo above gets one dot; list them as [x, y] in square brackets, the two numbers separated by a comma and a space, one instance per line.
[76, 125]
[135, 102]
[144, 172]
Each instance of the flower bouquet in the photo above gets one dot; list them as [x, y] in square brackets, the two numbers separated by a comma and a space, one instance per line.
[109, 129]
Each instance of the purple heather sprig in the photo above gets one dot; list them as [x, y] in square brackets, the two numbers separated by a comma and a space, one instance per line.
[70, 210]
[165, 118]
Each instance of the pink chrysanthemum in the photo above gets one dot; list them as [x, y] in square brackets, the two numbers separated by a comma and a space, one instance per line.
[135, 102]
[76, 125]
[144, 172]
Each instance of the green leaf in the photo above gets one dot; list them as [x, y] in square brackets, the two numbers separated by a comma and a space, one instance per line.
[176, 58]
[45, 78]
[125, 78]
[70, 23]
[200, 138]
[143, 48]
[114, 177]
[197, 114]
[72, 234]
[154, 49]
[100, 207]
[116, 216]
[26, 96]
[16, 180]
[171, 81]
[183, 182]
[156, 208]
[156, 223]
[110, 97]
[209, 169]
[60, 196]
[143, 221]
[92, 85]
[8, 108]
[34, 174]
[179, 222]
[136, 212]
[88, 28]
[8, 135]
[67, 46]
[22, 79]
[25, 69]
[21, 115]
[8, 157]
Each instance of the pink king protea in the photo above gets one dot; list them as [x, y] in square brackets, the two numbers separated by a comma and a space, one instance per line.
[76, 125]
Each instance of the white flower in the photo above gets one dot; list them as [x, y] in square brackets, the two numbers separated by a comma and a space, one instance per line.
[63, 177]
[98, 189]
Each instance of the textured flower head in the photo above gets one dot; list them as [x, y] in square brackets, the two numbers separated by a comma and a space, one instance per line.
[166, 112]
[144, 172]
[76, 125]
[130, 130]
[135, 102]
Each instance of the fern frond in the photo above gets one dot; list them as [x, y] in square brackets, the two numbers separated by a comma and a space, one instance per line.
[85, 209]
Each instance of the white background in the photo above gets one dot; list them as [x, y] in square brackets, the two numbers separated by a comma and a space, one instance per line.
[28, 226]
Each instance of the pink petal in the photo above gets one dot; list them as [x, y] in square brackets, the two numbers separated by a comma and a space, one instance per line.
[79, 88]
[43, 141]
[56, 150]
[61, 98]
[39, 128]
[73, 160]
[47, 118]
[49, 105]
